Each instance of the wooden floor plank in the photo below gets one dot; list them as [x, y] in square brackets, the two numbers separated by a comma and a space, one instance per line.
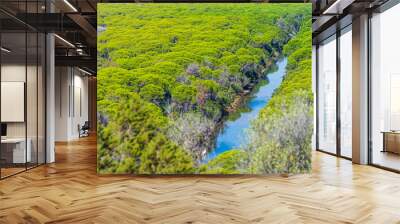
[70, 191]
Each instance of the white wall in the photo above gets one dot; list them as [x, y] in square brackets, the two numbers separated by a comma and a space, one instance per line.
[62, 82]
[81, 104]
[71, 102]
[9, 73]
[17, 73]
[13, 72]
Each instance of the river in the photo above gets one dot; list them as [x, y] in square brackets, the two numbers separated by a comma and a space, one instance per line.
[232, 135]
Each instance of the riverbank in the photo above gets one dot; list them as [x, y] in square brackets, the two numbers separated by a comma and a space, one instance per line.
[231, 133]
[239, 100]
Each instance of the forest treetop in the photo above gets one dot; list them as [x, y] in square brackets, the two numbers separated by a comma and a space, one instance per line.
[161, 66]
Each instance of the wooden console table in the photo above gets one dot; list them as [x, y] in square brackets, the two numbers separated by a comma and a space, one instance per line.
[391, 141]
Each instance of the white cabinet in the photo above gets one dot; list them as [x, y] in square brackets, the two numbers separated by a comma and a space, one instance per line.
[19, 155]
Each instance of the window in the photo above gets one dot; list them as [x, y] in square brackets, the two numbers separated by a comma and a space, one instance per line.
[385, 89]
[346, 92]
[327, 95]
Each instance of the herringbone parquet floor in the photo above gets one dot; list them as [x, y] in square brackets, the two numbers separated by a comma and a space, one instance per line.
[69, 191]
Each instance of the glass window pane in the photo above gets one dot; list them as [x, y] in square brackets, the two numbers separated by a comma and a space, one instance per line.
[13, 86]
[346, 93]
[385, 114]
[327, 95]
[22, 90]
[31, 97]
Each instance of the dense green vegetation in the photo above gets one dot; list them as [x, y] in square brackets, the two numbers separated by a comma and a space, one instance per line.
[285, 125]
[168, 73]
[280, 138]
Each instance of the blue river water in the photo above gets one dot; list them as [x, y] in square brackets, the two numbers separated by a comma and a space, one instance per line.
[232, 135]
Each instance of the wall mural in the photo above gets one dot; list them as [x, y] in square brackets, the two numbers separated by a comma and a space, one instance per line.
[204, 88]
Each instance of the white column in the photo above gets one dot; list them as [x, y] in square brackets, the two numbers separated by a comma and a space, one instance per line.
[360, 90]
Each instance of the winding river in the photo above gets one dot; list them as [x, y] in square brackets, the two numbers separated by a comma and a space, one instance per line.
[232, 135]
